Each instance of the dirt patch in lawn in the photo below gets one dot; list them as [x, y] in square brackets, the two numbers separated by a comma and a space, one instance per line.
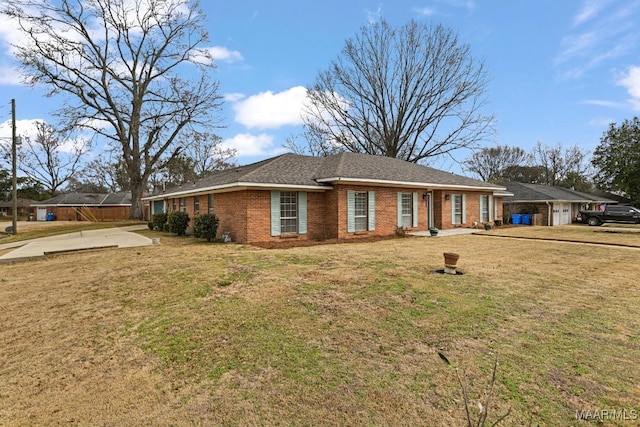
[292, 243]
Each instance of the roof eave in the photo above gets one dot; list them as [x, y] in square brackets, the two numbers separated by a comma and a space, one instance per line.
[236, 186]
[551, 201]
[431, 185]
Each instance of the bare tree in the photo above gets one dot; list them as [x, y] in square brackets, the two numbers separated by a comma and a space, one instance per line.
[133, 71]
[559, 163]
[178, 170]
[412, 93]
[531, 174]
[207, 154]
[491, 163]
[107, 173]
[52, 157]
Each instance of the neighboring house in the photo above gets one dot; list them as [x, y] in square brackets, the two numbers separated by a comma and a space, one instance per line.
[341, 196]
[554, 205]
[621, 200]
[85, 207]
[24, 208]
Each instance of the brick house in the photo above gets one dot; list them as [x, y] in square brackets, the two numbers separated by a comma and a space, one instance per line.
[551, 205]
[341, 196]
[24, 208]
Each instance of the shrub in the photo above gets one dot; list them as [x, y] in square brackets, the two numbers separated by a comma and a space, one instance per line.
[205, 226]
[498, 222]
[178, 223]
[150, 225]
[159, 220]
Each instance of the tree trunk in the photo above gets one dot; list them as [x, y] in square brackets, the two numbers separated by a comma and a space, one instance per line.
[137, 212]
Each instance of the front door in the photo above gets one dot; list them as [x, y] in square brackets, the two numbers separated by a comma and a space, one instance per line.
[428, 202]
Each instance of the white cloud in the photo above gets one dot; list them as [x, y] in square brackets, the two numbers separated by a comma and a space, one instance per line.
[446, 8]
[268, 110]
[602, 31]
[221, 53]
[425, 11]
[10, 76]
[24, 128]
[602, 103]
[247, 144]
[630, 80]
[590, 8]
[234, 97]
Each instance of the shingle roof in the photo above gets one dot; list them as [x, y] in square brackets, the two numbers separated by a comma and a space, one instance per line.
[22, 203]
[296, 170]
[88, 199]
[363, 166]
[523, 192]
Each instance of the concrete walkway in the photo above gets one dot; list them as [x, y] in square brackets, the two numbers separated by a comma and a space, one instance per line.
[74, 242]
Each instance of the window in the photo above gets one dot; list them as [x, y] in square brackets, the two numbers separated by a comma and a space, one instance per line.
[183, 204]
[458, 209]
[484, 209]
[288, 212]
[210, 203]
[196, 204]
[407, 210]
[360, 211]
[173, 205]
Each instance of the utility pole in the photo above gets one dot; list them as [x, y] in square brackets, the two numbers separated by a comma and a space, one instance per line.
[15, 172]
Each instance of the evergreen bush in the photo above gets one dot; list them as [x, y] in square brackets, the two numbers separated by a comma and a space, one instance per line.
[159, 220]
[178, 223]
[205, 226]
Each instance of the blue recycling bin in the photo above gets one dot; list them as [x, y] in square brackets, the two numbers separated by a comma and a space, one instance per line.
[50, 216]
[526, 219]
[516, 219]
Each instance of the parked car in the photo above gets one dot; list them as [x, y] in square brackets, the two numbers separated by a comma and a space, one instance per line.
[614, 213]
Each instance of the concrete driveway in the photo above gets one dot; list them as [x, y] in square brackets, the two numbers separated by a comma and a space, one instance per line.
[74, 242]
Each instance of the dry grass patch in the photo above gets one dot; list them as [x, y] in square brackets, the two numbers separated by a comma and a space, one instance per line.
[191, 333]
[609, 234]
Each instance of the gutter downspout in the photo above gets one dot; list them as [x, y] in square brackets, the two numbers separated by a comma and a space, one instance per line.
[548, 214]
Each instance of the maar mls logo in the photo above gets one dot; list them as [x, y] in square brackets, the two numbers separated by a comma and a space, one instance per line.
[622, 414]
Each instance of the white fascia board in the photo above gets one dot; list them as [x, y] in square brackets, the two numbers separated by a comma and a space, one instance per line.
[548, 201]
[236, 186]
[430, 185]
[88, 205]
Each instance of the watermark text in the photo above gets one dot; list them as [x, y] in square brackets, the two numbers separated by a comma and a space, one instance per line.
[609, 414]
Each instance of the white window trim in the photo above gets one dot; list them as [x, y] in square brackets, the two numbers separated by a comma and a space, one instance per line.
[463, 208]
[371, 211]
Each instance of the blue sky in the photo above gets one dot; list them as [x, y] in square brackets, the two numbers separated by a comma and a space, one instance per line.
[561, 71]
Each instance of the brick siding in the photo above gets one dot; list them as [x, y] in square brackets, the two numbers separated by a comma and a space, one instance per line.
[246, 214]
